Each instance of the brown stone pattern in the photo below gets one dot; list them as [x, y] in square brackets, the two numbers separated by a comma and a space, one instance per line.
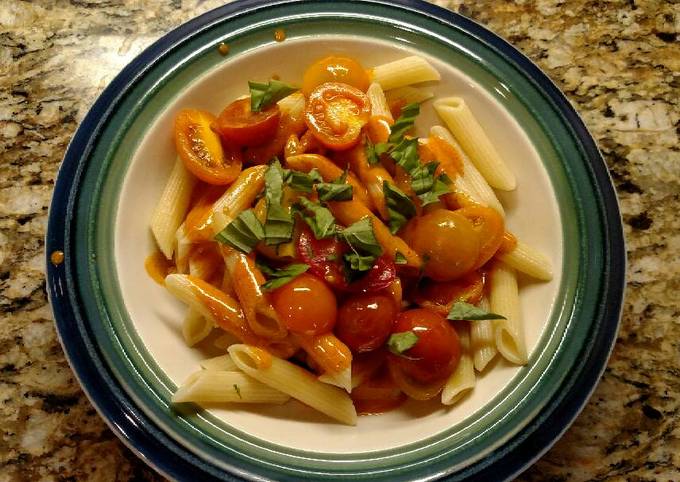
[618, 61]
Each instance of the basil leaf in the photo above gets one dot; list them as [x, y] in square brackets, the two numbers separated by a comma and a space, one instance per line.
[243, 233]
[465, 311]
[422, 177]
[285, 275]
[440, 188]
[237, 390]
[338, 190]
[405, 154]
[405, 122]
[399, 206]
[303, 181]
[398, 343]
[361, 238]
[372, 156]
[265, 269]
[358, 262]
[399, 258]
[278, 227]
[318, 218]
[263, 95]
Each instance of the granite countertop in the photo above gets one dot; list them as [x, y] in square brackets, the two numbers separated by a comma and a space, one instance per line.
[618, 61]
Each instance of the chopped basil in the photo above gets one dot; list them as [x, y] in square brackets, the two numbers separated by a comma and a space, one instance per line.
[358, 262]
[243, 233]
[405, 154]
[283, 276]
[399, 206]
[440, 187]
[465, 311]
[318, 218]
[237, 390]
[361, 238]
[399, 258]
[278, 227]
[405, 122]
[372, 156]
[263, 95]
[338, 190]
[398, 343]
[303, 181]
[422, 177]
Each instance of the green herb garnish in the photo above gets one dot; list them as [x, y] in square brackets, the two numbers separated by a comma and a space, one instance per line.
[338, 190]
[303, 181]
[439, 188]
[399, 258]
[398, 343]
[278, 227]
[319, 218]
[365, 248]
[400, 207]
[263, 95]
[465, 311]
[404, 122]
[237, 390]
[243, 233]
[280, 277]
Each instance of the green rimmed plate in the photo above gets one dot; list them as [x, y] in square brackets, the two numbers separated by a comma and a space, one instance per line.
[121, 332]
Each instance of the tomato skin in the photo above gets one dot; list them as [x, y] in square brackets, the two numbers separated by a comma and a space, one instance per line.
[239, 125]
[336, 113]
[439, 296]
[306, 305]
[335, 68]
[324, 257]
[380, 276]
[437, 351]
[490, 227]
[447, 240]
[201, 150]
[365, 321]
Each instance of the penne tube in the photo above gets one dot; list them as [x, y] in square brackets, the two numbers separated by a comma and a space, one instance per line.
[205, 262]
[294, 381]
[240, 195]
[372, 177]
[183, 247]
[225, 340]
[379, 105]
[462, 380]
[226, 386]
[223, 363]
[528, 260]
[195, 327]
[504, 300]
[482, 340]
[465, 128]
[332, 356]
[405, 71]
[329, 172]
[246, 280]
[172, 207]
[471, 184]
[408, 95]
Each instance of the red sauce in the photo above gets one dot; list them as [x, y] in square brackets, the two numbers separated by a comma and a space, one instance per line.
[223, 49]
[279, 35]
[57, 257]
[158, 267]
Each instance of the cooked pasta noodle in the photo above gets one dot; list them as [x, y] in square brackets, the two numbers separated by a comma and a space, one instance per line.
[483, 340]
[504, 300]
[402, 72]
[462, 380]
[226, 386]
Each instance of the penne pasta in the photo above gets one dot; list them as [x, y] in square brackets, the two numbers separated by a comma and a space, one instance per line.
[332, 356]
[482, 340]
[465, 128]
[222, 363]
[504, 300]
[373, 178]
[528, 260]
[182, 249]
[195, 327]
[226, 386]
[406, 71]
[471, 183]
[225, 340]
[379, 105]
[294, 381]
[462, 380]
[408, 95]
[172, 207]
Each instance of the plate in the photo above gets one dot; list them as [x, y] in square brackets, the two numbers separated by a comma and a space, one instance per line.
[121, 332]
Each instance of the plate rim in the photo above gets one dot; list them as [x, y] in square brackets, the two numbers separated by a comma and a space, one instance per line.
[134, 433]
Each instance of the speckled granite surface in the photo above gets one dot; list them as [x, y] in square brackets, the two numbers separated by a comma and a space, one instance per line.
[618, 62]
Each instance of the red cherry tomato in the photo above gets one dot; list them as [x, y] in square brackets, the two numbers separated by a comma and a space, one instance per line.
[440, 296]
[437, 351]
[241, 126]
[324, 257]
[306, 305]
[365, 321]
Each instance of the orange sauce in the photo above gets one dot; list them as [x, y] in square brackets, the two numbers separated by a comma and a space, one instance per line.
[378, 128]
[223, 49]
[197, 221]
[509, 243]
[57, 257]
[158, 267]
[279, 35]
[377, 395]
[330, 353]
[449, 159]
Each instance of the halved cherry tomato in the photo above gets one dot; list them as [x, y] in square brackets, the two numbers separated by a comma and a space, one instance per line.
[380, 276]
[306, 305]
[201, 148]
[490, 227]
[437, 351]
[335, 69]
[439, 296]
[447, 240]
[365, 321]
[290, 123]
[324, 257]
[336, 113]
[243, 127]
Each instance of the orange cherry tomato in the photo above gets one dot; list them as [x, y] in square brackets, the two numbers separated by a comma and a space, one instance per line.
[243, 127]
[306, 305]
[447, 241]
[201, 148]
[439, 296]
[436, 353]
[335, 69]
[490, 227]
[336, 113]
[365, 321]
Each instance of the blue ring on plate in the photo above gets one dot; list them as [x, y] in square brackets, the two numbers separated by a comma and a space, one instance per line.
[173, 460]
